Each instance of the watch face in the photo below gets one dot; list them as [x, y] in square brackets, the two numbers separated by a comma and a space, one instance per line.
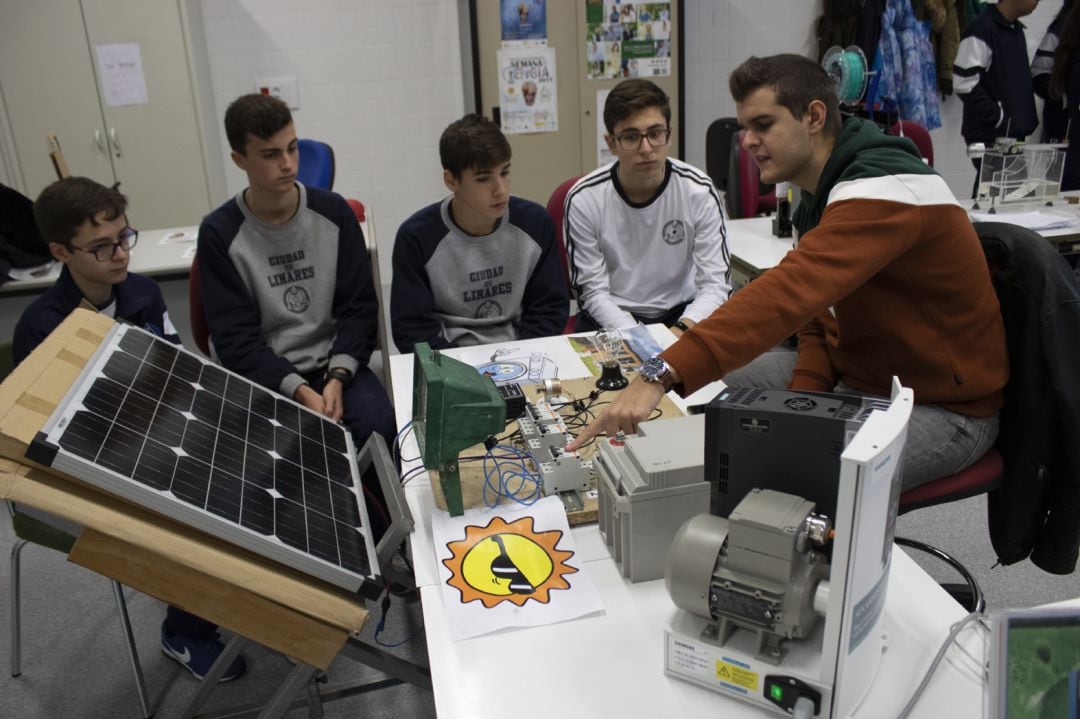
[652, 368]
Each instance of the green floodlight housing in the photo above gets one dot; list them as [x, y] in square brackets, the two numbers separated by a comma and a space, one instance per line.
[454, 407]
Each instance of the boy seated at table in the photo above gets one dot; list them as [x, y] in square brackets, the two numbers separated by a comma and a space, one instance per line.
[480, 265]
[287, 284]
[86, 229]
[645, 235]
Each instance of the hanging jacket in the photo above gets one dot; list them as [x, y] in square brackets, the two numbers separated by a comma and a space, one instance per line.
[850, 22]
[1036, 510]
[908, 72]
[945, 36]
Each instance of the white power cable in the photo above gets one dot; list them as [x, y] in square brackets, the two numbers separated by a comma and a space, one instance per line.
[953, 632]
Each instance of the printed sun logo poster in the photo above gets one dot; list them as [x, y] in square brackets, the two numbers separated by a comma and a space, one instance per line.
[508, 563]
[505, 568]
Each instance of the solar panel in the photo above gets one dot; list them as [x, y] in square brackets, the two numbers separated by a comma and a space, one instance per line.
[167, 430]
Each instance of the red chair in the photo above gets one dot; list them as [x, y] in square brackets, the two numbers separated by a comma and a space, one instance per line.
[917, 134]
[555, 209]
[982, 476]
[747, 196]
[358, 209]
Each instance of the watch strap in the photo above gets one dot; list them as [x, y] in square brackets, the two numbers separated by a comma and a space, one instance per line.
[663, 377]
[682, 325]
[341, 374]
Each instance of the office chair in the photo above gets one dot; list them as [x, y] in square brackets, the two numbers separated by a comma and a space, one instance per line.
[31, 530]
[747, 196]
[368, 228]
[200, 330]
[555, 208]
[718, 150]
[917, 134]
[316, 168]
[1028, 512]
[981, 477]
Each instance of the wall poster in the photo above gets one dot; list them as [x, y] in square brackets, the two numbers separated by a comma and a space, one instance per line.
[527, 90]
[627, 39]
[524, 22]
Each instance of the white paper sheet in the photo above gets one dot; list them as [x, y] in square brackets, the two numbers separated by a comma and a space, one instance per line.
[29, 273]
[121, 71]
[524, 361]
[510, 567]
[1035, 220]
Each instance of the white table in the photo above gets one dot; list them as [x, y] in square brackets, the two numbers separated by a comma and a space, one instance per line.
[611, 665]
[159, 253]
[754, 248]
[166, 255]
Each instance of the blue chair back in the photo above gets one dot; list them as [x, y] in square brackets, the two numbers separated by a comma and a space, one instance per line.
[316, 164]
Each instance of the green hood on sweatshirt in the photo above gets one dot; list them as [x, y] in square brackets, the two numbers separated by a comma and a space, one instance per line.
[861, 151]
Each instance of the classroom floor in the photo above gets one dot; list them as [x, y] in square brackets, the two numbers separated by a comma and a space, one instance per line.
[74, 663]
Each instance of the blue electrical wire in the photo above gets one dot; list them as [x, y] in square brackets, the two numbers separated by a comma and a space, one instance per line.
[499, 471]
[399, 438]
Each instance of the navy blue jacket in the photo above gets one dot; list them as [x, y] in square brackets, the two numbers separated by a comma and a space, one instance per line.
[235, 316]
[138, 301]
[428, 296]
[993, 79]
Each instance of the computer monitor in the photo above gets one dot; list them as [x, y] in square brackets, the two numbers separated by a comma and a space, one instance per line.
[786, 440]
[454, 407]
[1033, 663]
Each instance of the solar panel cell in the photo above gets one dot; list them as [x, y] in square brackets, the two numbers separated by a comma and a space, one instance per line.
[192, 481]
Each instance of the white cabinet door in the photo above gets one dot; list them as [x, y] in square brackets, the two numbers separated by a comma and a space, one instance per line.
[48, 86]
[156, 147]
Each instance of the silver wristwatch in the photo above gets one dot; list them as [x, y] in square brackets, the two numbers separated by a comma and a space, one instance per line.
[657, 371]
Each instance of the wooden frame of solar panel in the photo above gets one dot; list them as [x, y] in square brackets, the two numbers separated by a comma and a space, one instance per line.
[168, 430]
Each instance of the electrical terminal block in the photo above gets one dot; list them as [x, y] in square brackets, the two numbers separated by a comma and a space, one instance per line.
[545, 436]
[565, 473]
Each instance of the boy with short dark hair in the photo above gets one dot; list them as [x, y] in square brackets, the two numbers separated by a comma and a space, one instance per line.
[479, 266]
[86, 229]
[645, 235]
[286, 281]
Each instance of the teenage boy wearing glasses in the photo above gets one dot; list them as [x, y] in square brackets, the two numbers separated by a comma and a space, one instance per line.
[87, 230]
[645, 235]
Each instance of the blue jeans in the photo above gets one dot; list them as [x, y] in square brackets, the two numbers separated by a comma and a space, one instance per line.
[939, 442]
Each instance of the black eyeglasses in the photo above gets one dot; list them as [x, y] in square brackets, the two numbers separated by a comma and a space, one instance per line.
[631, 140]
[103, 253]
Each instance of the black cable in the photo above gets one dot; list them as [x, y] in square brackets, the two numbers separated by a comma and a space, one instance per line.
[978, 603]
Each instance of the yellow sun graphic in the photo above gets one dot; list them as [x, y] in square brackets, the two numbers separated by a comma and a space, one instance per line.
[507, 563]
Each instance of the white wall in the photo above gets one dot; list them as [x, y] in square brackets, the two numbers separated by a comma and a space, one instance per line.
[720, 35]
[378, 80]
